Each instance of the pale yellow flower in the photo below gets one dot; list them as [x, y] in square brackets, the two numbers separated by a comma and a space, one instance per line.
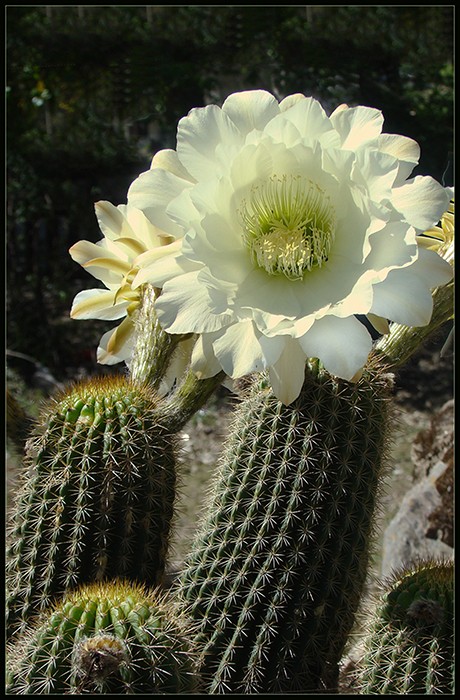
[114, 261]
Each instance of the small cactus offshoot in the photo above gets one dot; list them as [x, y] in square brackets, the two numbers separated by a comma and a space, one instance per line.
[108, 638]
[96, 498]
[409, 649]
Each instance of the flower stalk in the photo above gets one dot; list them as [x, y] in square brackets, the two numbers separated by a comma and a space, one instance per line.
[153, 347]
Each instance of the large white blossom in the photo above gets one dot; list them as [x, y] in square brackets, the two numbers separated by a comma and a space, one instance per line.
[127, 233]
[293, 223]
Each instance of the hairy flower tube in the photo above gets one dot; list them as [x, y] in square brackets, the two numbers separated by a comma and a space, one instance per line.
[114, 261]
[292, 224]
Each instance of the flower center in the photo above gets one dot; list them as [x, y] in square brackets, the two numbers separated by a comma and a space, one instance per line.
[289, 225]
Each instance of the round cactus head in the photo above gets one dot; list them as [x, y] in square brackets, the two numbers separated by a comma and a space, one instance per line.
[112, 637]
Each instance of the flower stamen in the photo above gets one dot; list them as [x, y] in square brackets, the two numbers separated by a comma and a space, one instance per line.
[289, 226]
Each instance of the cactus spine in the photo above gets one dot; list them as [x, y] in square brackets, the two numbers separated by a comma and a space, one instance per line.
[277, 568]
[96, 499]
[409, 649]
[108, 638]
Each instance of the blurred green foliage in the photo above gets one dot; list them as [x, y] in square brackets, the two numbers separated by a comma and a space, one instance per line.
[94, 91]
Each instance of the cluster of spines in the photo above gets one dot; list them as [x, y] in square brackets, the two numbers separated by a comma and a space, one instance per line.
[97, 495]
[409, 649]
[105, 638]
[277, 568]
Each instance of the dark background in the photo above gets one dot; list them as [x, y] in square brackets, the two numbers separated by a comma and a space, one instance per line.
[94, 91]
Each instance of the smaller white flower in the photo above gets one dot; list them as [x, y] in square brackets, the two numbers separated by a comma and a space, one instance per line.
[114, 260]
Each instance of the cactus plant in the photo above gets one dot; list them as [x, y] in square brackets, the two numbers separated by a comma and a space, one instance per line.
[277, 567]
[409, 649]
[96, 498]
[107, 638]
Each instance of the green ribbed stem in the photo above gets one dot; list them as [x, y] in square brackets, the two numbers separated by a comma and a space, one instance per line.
[110, 638]
[277, 567]
[409, 649]
[153, 353]
[96, 498]
[191, 395]
[154, 348]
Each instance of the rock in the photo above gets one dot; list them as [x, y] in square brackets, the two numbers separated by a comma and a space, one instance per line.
[405, 539]
[423, 525]
[435, 443]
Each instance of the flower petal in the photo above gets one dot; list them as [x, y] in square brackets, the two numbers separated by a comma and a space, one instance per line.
[407, 299]
[159, 265]
[124, 350]
[357, 126]
[112, 220]
[241, 350]
[152, 191]
[167, 159]
[251, 109]
[185, 304]
[120, 336]
[288, 373]
[198, 137]
[342, 344]
[406, 150]
[97, 303]
[203, 361]
[421, 201]
[84, 251]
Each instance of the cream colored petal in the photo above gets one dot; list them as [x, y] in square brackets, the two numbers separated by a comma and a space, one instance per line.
[422, 201]
[291, 100]
[167, 159]
[161, 264]
[184, 306]
[97, 303]
[112, 264]
[357, 126]
[251, 109]
[239, 351]
[120, 336]
[152, 192]
[342, 344]
[124, 351]
[203, 360]
[112, 220]
[288, 373]
[205, 137]
[135, 246]
[82, 251]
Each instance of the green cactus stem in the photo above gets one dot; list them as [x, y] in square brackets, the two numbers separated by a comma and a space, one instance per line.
[153, 354]
[105, 638]
[96, 496]
[409, 649]
[278, 564]
[153, 348]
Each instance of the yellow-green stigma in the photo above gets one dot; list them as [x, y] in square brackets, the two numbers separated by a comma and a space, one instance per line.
[289, 226]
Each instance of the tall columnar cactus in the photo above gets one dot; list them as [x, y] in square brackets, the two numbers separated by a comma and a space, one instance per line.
[278, 565]
[97, 494]
[107, 638]
[409, 649]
